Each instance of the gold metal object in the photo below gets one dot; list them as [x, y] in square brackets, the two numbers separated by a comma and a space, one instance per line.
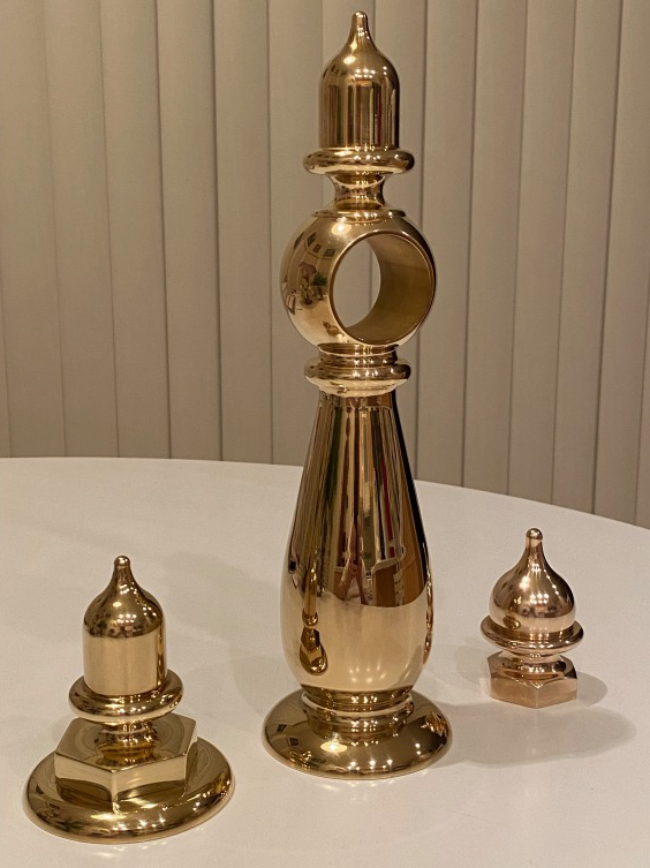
[532, 617]
[356, 594]
[128, 768]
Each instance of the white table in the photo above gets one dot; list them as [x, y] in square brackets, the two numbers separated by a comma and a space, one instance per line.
[568, 785]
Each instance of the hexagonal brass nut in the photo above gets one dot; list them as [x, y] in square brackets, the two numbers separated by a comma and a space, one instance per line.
[531, 692]
[81, 766]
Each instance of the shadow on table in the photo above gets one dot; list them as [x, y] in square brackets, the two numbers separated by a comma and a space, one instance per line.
[497, 733]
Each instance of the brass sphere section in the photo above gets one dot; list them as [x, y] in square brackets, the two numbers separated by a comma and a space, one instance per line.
[407, 278]
[128, 767]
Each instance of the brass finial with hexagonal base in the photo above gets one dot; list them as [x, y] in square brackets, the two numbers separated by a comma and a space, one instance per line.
[128, 768]
[532, 618]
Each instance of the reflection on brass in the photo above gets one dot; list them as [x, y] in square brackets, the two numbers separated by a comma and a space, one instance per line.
[127, 768]
[356, 597]
[532, 617]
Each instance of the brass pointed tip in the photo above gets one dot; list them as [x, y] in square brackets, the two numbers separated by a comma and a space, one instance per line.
[534, 538]
[122, 575]
[360, 35]
[360, 22]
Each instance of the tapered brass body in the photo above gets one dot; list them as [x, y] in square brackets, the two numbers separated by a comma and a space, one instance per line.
[532, 618]
[356, 597]
[127, 768]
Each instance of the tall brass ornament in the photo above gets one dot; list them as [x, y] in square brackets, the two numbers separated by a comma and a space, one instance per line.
[356, 598]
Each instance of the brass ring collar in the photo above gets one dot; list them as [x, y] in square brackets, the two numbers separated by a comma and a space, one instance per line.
[527, 646]
[126, 709]
[356, 373]
[332, 161]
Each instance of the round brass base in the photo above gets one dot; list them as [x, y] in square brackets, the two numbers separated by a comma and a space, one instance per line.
[154, 815]
[336, 752]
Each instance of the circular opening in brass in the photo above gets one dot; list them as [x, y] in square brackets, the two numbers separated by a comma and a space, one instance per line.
[405, 294]
[357, 283]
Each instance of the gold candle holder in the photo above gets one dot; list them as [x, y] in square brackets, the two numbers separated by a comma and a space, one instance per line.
[128, 768]
[356, 598]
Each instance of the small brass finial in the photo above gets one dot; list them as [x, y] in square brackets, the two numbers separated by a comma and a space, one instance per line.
[532, 617]
[128, 767]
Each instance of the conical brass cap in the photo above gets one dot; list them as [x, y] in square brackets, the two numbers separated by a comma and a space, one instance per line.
[359, 94]
[531, 599]
[124, 638]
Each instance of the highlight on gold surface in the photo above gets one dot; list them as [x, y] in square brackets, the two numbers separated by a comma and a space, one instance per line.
[356, 593]
[128, 768]
[532, 618]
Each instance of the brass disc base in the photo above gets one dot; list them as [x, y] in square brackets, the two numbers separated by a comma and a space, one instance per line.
[155, 815]
[337, 751]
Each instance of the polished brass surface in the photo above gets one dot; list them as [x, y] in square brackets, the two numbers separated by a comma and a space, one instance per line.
[356, 594]
[532, 618]
[359, 150]
[356, 746]
[113, 666]
[359, 95]
[128, 768]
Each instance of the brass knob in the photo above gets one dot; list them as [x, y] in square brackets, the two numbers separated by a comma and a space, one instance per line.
[128, 767]
[532, 618]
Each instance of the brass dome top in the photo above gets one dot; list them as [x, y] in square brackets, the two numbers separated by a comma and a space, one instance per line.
[124, 638]
[359, 95]
[531, 598]
[123, 610]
